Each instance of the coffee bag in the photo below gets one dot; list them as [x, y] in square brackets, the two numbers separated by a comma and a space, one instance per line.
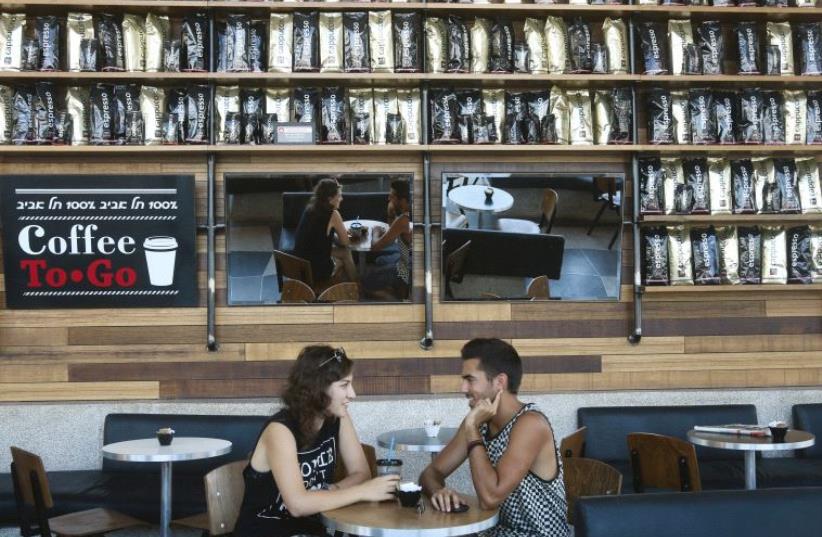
[697, 177]
[77, 105]
[816, 254]
[538, 110]
[126, 100]
[773, 121]
[774, 255]
[726, 104]
[766, 191]
[654, 48]
[681, 117]
[603, 115]
[616, 42]
[795, 113]
[196, 52]
[680, 270]
[779, 35]
[153, 106]
[306, 109]
[493, 103]
[751, 113]
[813, 117]
[176, 105]
[408, 102]
[459, 45]
[79, 26]
[386, 107]
[556, 44]
[561, 112]
[719, 178]
[622, 119]
[502, 47]
[407, 42]
[436, 44]
[809, 46]
[660, 116]
[748, 48]
[705, 256]
[742, 174]
[810, 194]
[655, 243]
[257, 39]
[800, 260]
[381, 41]
[334, 120]
[750, 254]
[673, 178]
[226, 101]
[102, 114]
[711, 46]
[306, 41]
[579, 46]
[728, 248]
[44, 113]
[11, 37]
[480, 45]
[134, 38]
[355, 28]
[198, 112]
[651, 187]
[6, 113]
[47, 33]
[444, 120]
[516, 118]
[234, 50]
[703, 116]
[680, 34]
[252, 104]
[581, 118]
[280, 41]
[331, 42]
[787, 181]
[361, 104]
[278, 101]
[112, 44]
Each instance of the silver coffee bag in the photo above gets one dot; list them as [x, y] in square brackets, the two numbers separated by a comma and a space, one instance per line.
[561, 111]
[278, 101]
[616, 42]
[680, 267]
[556, 45]
[153, 106]
[680, 34]
[385, 103]
[226, 101]
[280, 41]
[779, 35]
[493, 106]
[728, 246]
[11, 37]
[581, 118]
[774, 255]
[134, 38]
[331, 42]
[810, 194]
[537, 48]
[408, 101]
[7, 104]
[764, 180]
[719, 179]
[361, 104]
[79, 26]
[480, 45]
[682, 120]
[796, 117]
[77, 106]
[436, 54]
[816, 254]
[602, 116]
[381, 41]
[673, 175]
[157, 33]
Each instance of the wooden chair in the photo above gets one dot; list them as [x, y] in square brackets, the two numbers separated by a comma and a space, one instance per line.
[370, 456]
[296, 292]
[588, 477]
[573, 445]
[454, 265]
[341, 292]
[538, 288]
[663, 462]
[33, 498]
[606, 194]
[548, 206]
[224, 487]
[294, 267]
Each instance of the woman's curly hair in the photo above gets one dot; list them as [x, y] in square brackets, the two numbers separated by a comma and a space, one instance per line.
[316, 368]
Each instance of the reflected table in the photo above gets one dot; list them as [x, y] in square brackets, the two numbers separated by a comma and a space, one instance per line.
[473, 198]
[389, 519]
[417, 440]
[363, 246]
[181, 449]
[750, 445]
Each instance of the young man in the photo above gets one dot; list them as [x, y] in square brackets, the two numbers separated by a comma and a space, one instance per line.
[510, 447]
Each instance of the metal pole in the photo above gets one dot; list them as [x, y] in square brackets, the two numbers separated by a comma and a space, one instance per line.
[165, 499]
[636, 336]
[428, 339]
[211, 246]
[750, 470]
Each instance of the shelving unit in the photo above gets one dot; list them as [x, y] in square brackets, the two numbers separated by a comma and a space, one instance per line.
[689, 289]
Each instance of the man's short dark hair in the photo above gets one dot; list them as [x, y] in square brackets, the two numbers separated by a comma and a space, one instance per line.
[495, 356]
[401, 189]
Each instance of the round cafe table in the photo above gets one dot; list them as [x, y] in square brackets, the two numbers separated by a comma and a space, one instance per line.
[181, 449]
[472, 198]
[417, 440]
[750, 445]
[389, 519]
[364, 245]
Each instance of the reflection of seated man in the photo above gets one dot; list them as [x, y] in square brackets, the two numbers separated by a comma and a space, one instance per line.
[391, 277]
[315, 233]
[515, 464]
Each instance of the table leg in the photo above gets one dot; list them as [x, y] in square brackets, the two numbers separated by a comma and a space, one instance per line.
[750, 470]
[361, 263]
[165, 499]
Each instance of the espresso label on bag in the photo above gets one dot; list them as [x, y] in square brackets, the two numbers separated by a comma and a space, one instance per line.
[134, 37]
[796, 105]
[197, 114]
[102, 114]
[673, 178]
[112, 44]
[702, 116]
[560, 110]
[655, 245]
[252, 104]
[381, 41]
[331, 42]
[280, 39]
[385, 105]
[79, 26]
[779, 35]
[480, 45]
[579, 46]
[306, 108]
[719, 179]
[742, 174]
[747, 42]
[11, 37]
[728, 248]
[306, 41]
[126, 99]
[750, 254]
[47, 30]
[436, 53]
[579, 104]
[660, 116]
[786, 180]
[6, 113]
[705, 256]
[773, 122]
[814, 118]
[816, 253]
[556, 43]
[157, 29]
[278, 101]
[444, 120]
[177, 104]
[334, 121]
[44, 113]
[697, 177]
[196, 52]
[679, 35]
[616, 41]
[459, 45]
[651, 189]
[493, 103]
[809, 46]
[469, 113]
[751, 114]
[408, 102]
[654, 47]
[810, 194]
[680, 270]
[726, 106]
[226, 101]
[257, 38]
[77, 106]
[502, 47]
[153, 105]
[622, 118]
[711, 46]
[774, 255]
[800, 260]
[517, 121]
[355, 30]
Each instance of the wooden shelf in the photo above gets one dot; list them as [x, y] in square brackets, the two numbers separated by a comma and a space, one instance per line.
[719, 149]
[684, 289]
[738, 80]
[11, 150]
[729, 218]
[130, 6]
[93, 76]
[733, 13]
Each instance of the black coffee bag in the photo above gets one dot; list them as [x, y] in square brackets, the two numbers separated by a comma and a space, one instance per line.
[711, 47]
[747, 42]
[45, 112]
[705, 256]
[235, 47]
[651, 189]
[502, 47]
[622, 118]
[515, 129]
[195, 47]
[800, 260]
[177, 104]
[727, 110]
[355, 32]
[22, 120]
[683, 198]
[109, 33]
[808, 36]
[257, 45]
[335, 116]
[459, 45]
[660, 116]
[306, 108]
[750, 254]
[742, 178]
[579, 46]
[306, 41]
[47, 31]
[126, 99]
[470, 113]
[538, 109]
[252, 105]
[751, 112]
[773, 118]
[788, 183]
[197, 114]
[407, 42]
[703, 116]
[444, 125]
[102, 114]
[697, 177]
[654, 41]
[655, 245]
[814, 118]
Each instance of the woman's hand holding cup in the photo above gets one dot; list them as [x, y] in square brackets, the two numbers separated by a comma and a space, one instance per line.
[380, 488]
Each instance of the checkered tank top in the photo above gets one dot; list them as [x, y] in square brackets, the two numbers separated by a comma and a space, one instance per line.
[536, 506]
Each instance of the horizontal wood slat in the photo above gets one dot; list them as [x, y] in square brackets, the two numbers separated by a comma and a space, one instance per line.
[78, 391]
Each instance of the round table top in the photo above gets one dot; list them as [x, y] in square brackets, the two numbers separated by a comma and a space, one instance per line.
[793, 440]
[389, 519]
[473, 197]
[417, 440]
[364, 245]
[181, 449]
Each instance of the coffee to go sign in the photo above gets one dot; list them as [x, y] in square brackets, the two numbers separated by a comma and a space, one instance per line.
[99, 241]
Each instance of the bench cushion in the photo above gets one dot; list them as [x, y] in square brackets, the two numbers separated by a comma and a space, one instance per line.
[608, 427]
[66, 487]
[788, 472]
[808, 417]
[758, 513]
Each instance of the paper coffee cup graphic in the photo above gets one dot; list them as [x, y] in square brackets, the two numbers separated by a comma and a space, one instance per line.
[161, 254]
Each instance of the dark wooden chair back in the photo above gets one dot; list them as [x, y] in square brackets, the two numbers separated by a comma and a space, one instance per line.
[30, 478]
[454, 267]
[293, 267]
[539, 289]
[370, 456]
[663, 462]
[224, 496]
[573, 445]
[549, 208]
[341, 292]
[296, 292]
[589, 477]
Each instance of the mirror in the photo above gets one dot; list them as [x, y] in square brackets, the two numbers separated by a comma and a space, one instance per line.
[284, 245]
[531, 236]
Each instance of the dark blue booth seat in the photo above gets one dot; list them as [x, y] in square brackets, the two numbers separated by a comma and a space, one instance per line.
[134, 488]
[756, 513]
[608, 428]
[805, 468]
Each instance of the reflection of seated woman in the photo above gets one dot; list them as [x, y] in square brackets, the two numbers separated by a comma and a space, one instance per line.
[391, 278]
[315, 233]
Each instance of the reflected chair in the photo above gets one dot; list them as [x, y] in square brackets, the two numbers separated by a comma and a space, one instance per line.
[224, 488]
[606, 194]
[573, 445]
[538, 288]
[33, 498]
[340, 472]
[454, 267]
[297, 268]
[341, 292]
[663, 462]
[548, 206]
[296, 292]
[589, 477]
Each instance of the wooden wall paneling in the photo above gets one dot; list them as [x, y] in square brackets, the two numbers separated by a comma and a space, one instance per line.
[598, 346]
[32, 336]
[772, 343]
[78, 391]
[710, 361]
[33, 373]
[811, 305]
[120, 354]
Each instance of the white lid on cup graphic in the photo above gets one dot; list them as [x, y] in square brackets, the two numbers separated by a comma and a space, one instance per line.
[160, 244]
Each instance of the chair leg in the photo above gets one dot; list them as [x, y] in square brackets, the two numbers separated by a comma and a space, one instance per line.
[22, 511]
[614, 238]
[40, 506]
[638, 488]
[597, 217]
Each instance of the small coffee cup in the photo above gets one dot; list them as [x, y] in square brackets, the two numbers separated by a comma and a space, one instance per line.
[165, 436]
[356, 230]
[778, 431]
[432, 428]
[409, 494]
[389, 467]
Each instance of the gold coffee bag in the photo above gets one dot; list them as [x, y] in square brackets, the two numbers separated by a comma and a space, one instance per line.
[280, 42]
[408, 102]
[579, 103]
[556, 45]
[480, 45]
[796, 117]
[810, 194]
[361, 104]
[331, 42]
[680, 267]
[226, 99]
[79, 26]
[11, 38]
[77, 104]
[774, 255]
[157, 32]
[537, 48]
[616, 42]
[381, 41]
[719, 179]
[679, 35]
[779, 35]
[153, 106]
[728, 246]
[493, 105]
[385, 102]
[278, 101]
[134, 37]
[436, 53]
[559, 107]
[602, 116]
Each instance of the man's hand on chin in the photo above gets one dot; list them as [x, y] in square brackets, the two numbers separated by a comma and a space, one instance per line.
[484, 410]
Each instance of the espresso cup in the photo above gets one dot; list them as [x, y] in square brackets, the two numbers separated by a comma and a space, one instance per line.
[778, 431]
[165, 436]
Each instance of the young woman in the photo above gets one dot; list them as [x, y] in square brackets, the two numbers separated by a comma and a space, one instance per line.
[288, 479]
[319, 223]
[391, 278]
